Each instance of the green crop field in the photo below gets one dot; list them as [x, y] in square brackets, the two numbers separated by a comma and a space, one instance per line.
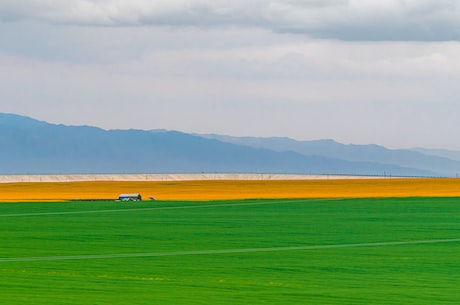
[353, 251]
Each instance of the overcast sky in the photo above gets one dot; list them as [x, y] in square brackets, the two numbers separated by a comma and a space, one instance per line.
[373, 71]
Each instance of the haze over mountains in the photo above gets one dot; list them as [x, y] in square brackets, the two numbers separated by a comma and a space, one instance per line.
[29, 146]
[443, 162]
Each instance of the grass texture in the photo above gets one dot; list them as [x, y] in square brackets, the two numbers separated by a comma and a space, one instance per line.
[231, 252]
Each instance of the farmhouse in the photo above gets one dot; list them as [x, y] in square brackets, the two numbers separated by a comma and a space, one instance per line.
[130, 197]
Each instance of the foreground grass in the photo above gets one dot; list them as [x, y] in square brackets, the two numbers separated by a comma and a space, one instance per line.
[392, 274]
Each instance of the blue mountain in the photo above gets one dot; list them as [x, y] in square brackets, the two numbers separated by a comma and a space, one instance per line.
[442, 162]
[29, 146]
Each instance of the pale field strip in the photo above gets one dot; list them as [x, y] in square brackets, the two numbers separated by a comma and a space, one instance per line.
[225, 251]
[170, 177]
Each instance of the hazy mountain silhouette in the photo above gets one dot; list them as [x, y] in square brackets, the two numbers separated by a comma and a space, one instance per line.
[31, 146]
[443, 162]
[444, 153]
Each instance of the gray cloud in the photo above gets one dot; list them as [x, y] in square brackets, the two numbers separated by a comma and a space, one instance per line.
[422, 20]
[237, 67]
[398, 94]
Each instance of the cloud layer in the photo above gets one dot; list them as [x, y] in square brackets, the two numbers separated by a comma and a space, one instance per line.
[239, 67]
[422, 20]
[399, 94]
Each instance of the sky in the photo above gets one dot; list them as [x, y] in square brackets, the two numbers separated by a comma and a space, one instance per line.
[361, 72]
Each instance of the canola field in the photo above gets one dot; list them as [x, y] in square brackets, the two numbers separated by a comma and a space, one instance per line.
[363, 241]
[264, 251]
[237, 189]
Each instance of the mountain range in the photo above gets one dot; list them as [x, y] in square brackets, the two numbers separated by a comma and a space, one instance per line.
[29, 146]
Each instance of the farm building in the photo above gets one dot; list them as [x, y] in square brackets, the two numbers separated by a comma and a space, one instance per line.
[130, 197]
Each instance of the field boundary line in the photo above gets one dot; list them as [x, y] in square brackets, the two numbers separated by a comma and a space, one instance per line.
[223, 251]
[182, 207]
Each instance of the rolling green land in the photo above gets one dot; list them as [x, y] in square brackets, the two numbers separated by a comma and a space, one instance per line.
[143, 253]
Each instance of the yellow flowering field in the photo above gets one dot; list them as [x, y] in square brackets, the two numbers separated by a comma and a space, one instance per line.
[234, 189]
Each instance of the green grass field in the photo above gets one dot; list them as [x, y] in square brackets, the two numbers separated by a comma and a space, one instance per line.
[232, 252]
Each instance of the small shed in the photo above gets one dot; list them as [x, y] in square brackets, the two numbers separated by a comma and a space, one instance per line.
[130, 197]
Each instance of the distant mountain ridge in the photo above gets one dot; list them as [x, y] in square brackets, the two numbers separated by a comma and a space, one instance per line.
[444, 153]
[30, 146]
[443, 162]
